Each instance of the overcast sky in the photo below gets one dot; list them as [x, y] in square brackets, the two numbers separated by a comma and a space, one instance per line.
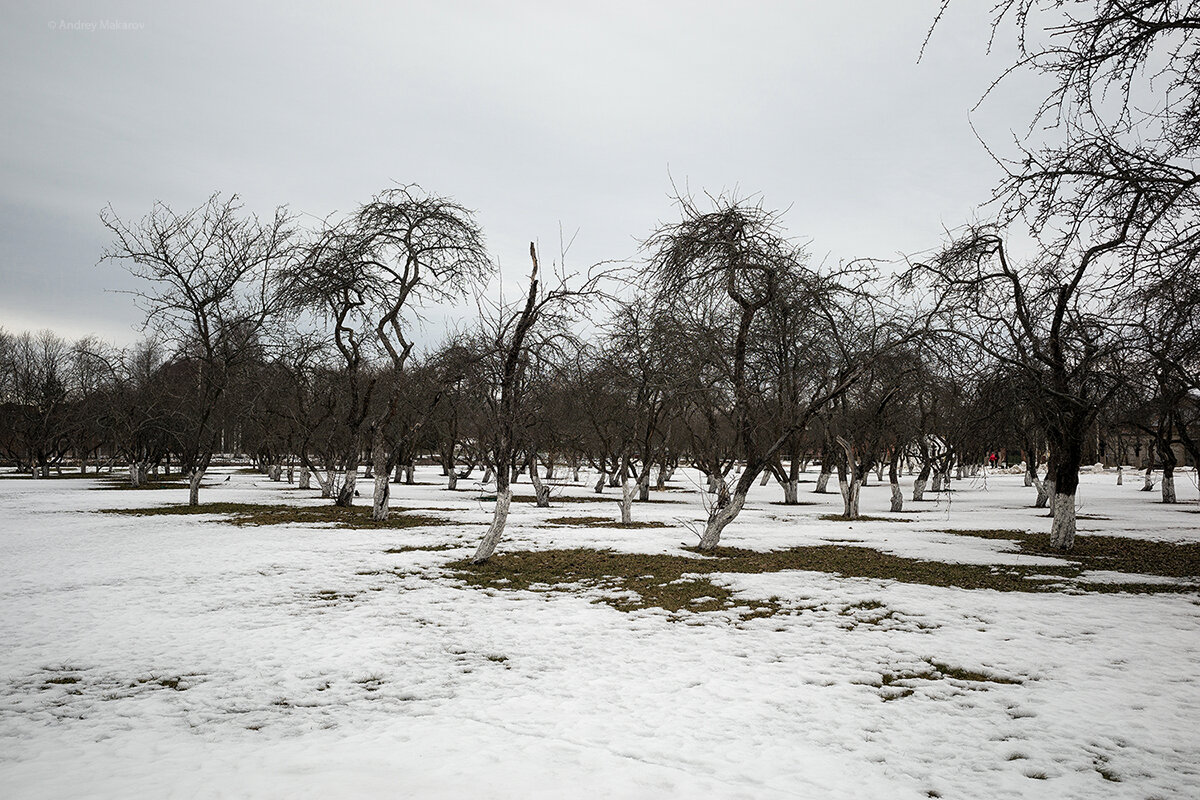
[535, 114]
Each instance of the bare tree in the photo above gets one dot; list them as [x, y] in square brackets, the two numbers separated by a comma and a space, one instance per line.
[210, 296]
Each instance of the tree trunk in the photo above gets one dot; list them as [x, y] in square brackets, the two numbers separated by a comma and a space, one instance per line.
[541, 491]
[920, 483]
[626, 502]
[1148, 483]
[452, 479]
[1043, 496]
[410, 474]
[1168, 483]
[599, 487]
[488, 475]
[894, 481]
[345, 496]
[644, 486]
[791, 493]
[823, 477]
[1062, 530]
[194, 478]
[766, 477]
[850, 499]
[499, 517]
[379, 498]
[718, 518]
[1120, 475]
[305, 477]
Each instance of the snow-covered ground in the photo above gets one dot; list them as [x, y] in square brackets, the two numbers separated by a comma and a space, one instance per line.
[186, 657]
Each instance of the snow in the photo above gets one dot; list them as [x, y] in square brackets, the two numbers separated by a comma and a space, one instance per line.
[185, 657]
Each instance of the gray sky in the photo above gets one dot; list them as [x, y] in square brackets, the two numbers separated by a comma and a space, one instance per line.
[532, 113]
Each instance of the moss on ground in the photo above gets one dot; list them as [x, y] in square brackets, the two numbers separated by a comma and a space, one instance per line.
[357, 517]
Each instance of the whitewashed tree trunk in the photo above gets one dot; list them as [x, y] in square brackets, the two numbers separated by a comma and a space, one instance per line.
[305, 477]
[346, 492]
[1168, 484]
[822, 482]
[791, 493]
[452, 479]
[626, 502]
[381, 496]
[919, 489]
[540, 490]
[599, 487]
[410, 474]
[897, 497]
[1062, 530]
[1120, 475]
[718, 518]
[766, 477]
[1148, 483]
[489, 475]
[379, 470]
[135, 474]
[714, 483]
[194, 478]
[487, 547]
[1043, 496]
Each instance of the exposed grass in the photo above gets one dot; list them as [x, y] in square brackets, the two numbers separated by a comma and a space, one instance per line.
[169, 483]
[600, 522]
[419, 548]
[356, 517]
[556, 498]
[861, 518]
[675, 583]
[1111, 553]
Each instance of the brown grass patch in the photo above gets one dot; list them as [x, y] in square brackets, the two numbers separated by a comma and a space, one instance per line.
[355, 517]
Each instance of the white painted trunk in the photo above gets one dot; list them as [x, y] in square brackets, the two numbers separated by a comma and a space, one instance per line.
[1062, 530]
[487, 546]
[1120, 475]
[381, 496]
[1043, 496]
[919, 489]
[791, 493]
[626, 502]
[822, 483]
[1148, 483]
[452, 479]
[850, 499]
[194, 479]
[897, 498]
[489, 475]
[718, 518]
[1168, 486]
[599, 487]
[766, 477]
[305, 477]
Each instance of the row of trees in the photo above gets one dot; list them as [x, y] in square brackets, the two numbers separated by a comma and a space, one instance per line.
[736, 356]
[1065, 325]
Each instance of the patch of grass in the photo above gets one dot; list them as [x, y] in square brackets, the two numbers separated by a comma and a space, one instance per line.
[355, 517]
[861, 518]
[555, 498]
[169, 483]
[673, 582]
[994, 533]
[420, 548]
[62, 680]
[1110, 553]
[600, 522]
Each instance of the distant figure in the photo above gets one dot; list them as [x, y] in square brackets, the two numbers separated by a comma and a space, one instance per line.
[356, 494]
[227, 477]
